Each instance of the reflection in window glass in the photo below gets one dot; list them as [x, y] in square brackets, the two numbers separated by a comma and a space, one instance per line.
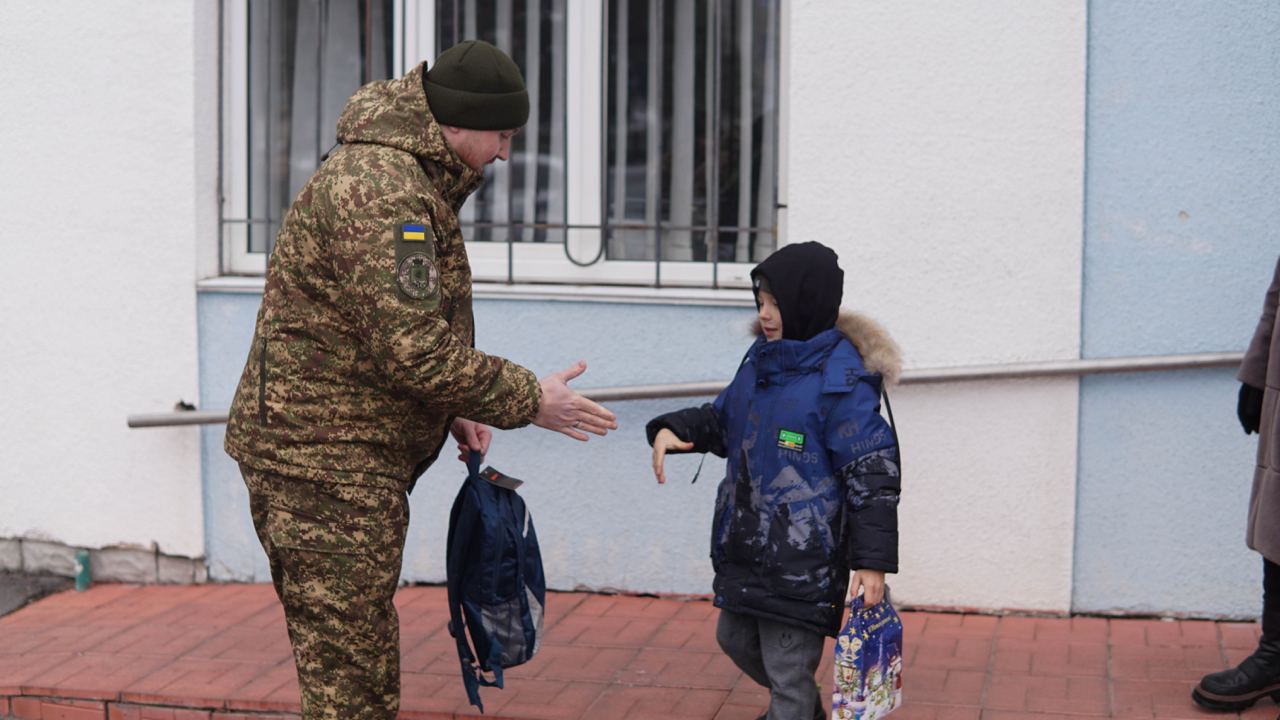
[306, 58]
[691, 129]
[530, 188]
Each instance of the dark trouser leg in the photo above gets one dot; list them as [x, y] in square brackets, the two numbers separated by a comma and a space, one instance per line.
[739, 638]
[1270, 600]
[791, 657]
[335, 554]
[1259, 675]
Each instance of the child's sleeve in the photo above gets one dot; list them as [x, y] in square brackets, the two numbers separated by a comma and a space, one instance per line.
[699, 425]
[864, 455]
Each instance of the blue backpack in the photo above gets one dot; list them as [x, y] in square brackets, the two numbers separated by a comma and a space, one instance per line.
[497, 591]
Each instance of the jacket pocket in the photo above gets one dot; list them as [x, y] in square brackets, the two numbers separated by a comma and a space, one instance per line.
[799, 559]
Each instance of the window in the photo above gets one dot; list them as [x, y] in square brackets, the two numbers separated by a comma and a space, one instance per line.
[691, 129]
[524, 199]
[650, 156]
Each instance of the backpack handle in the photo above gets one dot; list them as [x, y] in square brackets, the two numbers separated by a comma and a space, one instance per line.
[473, 463]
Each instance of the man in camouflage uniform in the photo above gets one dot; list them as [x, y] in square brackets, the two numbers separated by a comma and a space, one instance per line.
[363, 361]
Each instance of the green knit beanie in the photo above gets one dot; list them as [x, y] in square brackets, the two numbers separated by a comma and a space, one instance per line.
[475, 85]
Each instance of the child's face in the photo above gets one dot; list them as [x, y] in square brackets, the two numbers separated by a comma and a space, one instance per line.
[770, 317]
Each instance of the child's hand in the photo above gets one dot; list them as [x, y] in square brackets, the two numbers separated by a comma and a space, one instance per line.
[871, 582]
[664, 442]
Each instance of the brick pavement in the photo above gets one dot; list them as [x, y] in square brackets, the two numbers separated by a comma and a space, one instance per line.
[219, 652]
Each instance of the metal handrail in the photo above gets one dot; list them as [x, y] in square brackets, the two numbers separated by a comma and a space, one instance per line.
[921, 376]
[178, 417]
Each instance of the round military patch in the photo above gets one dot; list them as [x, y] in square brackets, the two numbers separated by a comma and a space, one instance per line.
[417, 276]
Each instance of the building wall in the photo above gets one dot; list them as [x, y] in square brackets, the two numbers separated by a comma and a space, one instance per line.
[100, 200]
[1181, 218]
[1164, 488]
[940, 147]
[1184, 141]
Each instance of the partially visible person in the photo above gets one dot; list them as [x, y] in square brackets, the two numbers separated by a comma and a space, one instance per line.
[363, 361]
[811, 486]
[1258, 675]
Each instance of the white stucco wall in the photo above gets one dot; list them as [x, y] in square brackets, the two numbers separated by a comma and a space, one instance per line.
[100, 210]
[939, 147]
[989, 484]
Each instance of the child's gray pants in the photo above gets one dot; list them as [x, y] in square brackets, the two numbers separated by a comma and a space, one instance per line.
[780, 657]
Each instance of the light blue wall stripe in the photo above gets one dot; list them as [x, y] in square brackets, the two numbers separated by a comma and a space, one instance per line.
[1165, 472]
[226, 331]
[588, 496]
[1182, 221]
[1182, 229]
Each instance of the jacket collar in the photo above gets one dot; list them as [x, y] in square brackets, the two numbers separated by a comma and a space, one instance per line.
[795, 356]
[875, 347]
[395, 113]
[456, 182]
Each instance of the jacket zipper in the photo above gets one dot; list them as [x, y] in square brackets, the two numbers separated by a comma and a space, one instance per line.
[262, 383]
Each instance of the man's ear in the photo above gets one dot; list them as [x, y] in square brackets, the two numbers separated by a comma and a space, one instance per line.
[450, 130]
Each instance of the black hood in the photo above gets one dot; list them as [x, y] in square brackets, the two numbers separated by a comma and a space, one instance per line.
[808, 284]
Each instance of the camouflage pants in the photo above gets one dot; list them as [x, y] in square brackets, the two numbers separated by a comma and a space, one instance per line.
[335, 554]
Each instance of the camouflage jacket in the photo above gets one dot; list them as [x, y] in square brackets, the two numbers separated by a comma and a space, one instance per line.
[363, 350]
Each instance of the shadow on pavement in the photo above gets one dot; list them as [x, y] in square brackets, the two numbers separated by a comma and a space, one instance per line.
[19, 589]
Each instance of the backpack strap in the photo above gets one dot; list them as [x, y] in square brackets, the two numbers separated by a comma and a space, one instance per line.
[460, 532]
[521, 527]
[522, 532]
[894, 428]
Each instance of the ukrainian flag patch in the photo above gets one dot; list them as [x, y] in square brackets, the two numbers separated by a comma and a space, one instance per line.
[413, 233]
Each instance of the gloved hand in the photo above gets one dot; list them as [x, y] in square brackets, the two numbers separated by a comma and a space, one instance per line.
[1249, 408]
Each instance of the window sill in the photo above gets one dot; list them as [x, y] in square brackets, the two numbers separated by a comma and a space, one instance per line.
[249, 284]
[729, 297]
[733, 297]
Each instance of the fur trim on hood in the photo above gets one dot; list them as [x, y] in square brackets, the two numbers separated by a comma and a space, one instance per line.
[880, 354]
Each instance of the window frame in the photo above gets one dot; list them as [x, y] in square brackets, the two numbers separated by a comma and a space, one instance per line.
[234, 255]
[577, 261]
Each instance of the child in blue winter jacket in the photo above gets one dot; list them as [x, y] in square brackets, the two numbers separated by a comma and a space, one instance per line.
[811, 486]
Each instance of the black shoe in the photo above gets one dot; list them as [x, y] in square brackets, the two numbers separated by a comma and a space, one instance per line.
[1241, 686]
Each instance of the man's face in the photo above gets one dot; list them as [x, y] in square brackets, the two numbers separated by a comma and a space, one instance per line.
[478, 148]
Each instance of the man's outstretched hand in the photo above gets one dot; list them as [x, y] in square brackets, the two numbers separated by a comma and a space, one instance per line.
[562, 409]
